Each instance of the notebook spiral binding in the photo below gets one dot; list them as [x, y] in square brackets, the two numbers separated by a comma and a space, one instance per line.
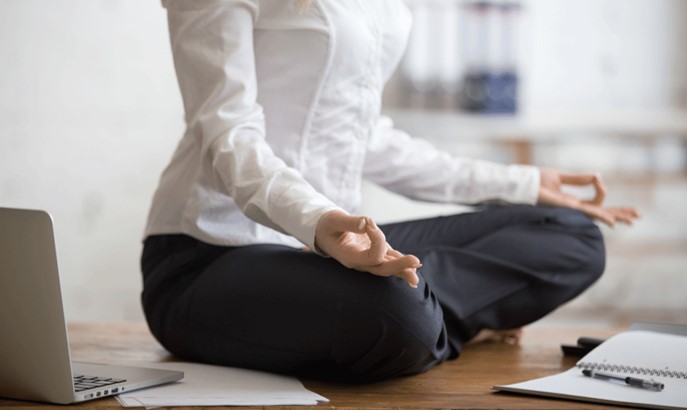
[610, 367]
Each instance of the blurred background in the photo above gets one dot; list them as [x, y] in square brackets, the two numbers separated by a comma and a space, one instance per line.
[90, 113]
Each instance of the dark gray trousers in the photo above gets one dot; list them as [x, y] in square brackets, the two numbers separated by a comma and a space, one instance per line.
[281, 309]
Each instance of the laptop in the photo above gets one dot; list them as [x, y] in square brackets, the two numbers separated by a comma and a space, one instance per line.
[35, 361]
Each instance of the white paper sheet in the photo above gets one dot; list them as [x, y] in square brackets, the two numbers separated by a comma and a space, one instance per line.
[206, 385]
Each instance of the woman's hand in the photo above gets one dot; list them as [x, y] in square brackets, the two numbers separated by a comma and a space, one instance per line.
[357, 243]
[550, 193]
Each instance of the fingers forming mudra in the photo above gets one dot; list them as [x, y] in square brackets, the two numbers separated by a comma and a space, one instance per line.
[551, 193]
[357, 243]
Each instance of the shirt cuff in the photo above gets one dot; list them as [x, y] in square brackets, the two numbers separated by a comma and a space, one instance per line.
[523, 184]
[306, 232]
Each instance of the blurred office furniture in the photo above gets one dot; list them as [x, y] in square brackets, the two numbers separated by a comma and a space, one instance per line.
[462, 55]
[524, 136]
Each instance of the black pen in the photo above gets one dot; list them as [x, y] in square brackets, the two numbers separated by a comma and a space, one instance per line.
[652, 384]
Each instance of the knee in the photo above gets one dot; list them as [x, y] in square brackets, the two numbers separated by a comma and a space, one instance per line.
[584, 251]
[398, 331]
[596, 257]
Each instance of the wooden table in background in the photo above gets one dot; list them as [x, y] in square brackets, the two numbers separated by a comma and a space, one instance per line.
[459, 384]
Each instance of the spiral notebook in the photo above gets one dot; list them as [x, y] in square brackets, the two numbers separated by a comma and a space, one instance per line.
[642, 354]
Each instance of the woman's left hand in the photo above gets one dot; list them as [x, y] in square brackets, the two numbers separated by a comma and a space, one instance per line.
[550, 193]
[358, 243]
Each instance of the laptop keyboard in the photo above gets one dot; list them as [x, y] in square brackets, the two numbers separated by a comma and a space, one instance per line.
[84, 382]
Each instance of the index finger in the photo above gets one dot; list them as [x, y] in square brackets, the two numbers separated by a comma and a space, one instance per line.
[378, 246]
[587, 179]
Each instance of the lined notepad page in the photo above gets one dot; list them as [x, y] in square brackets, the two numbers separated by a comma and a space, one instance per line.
[637, 351]
[641, 353]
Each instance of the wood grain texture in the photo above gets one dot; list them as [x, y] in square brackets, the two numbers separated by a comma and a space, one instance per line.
[460, 384]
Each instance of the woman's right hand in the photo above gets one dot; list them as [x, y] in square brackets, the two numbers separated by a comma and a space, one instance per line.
[358, 243]
[551, 193]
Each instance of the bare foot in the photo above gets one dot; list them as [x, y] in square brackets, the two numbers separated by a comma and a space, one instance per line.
[508, 336]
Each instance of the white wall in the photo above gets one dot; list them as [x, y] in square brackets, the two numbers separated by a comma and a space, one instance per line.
[604, 54]
[89, 114]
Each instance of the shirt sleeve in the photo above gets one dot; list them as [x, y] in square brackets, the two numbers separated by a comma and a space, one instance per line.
[212, 45]
[416, 169]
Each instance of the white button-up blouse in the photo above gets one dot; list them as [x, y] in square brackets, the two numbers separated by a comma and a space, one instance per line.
[282, 108]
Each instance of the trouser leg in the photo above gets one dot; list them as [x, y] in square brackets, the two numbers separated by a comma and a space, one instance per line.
[280, 309]
[503, 267]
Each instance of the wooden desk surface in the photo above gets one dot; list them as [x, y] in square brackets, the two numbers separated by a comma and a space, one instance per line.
[459, 384]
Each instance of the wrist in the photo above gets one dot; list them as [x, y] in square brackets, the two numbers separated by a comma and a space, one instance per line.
[322, 230]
